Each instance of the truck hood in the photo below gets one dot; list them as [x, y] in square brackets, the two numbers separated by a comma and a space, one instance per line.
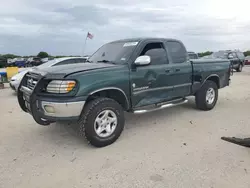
[64, 70]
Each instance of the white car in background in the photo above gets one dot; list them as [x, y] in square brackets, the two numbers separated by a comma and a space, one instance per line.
[16, 79]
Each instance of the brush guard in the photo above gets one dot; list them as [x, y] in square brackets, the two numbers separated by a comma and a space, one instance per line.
[28, 102]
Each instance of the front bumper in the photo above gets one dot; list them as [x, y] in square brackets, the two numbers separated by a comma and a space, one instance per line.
[46, 110]
[12, 86]
[62, 109]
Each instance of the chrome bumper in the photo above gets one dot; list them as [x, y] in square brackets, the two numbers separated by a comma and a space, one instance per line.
[62, 110]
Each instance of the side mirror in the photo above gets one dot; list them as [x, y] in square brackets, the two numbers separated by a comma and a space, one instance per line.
[143, 60]
[230, 56]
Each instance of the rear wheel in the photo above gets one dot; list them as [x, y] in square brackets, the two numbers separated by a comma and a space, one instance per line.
[206, 97]
[102, 122]
[239, 69]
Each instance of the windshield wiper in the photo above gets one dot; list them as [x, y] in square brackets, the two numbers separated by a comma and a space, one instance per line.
[105, 61]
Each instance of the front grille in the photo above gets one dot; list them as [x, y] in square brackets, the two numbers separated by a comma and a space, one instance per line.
[31, 80]
[31, 83]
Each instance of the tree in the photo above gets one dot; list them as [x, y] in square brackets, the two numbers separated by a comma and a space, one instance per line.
[202, 54]
[9, 56]
[42, 54]
[247, 53]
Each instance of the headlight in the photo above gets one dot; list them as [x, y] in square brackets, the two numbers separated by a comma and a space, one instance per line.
[61, 86]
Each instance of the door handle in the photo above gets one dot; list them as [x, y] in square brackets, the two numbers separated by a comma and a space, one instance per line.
[177, 70]
[167, 70]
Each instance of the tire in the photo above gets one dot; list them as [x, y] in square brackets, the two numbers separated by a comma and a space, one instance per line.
[239, 69]
[92, 112]
[201, 96]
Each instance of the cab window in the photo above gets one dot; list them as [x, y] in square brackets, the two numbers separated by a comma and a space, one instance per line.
[157, 53]
[177, 52]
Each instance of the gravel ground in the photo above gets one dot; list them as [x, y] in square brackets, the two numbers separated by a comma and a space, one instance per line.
[176, 147]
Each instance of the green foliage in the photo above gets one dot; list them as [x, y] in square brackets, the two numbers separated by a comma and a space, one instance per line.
[59, 56]
[247, 53]
[42, 54]
[4, 57]
[3, 62]
[202, 54]
[9, 56]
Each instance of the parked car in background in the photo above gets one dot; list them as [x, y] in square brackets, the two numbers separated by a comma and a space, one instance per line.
[20, 62]
[247, 60]
[33, 61]
[193, 55]
[236, 58]
[16, 79]
[16, 62]
[44, 60]
[134, 75]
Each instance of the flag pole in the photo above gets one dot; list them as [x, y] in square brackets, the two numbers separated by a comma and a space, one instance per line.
[85, 44]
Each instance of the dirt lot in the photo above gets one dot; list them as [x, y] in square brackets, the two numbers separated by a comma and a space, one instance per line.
[177, 147]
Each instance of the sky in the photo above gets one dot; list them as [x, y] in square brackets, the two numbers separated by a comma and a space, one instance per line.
[59, 27]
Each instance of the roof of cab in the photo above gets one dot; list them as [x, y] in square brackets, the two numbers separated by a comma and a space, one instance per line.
[143, 39]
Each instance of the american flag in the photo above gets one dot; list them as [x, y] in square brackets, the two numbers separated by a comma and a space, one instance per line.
[90, 36]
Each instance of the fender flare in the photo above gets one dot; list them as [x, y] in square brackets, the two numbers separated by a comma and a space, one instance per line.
[212, 75]
[112, 88]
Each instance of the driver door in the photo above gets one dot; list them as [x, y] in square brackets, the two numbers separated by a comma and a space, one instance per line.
[151, 83]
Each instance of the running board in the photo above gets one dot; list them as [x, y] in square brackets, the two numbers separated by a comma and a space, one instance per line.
[163, 106]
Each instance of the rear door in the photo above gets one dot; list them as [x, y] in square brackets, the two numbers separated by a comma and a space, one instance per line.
[151, 84]
[181, 69]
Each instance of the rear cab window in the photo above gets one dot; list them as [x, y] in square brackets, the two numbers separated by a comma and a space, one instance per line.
[177, 52]
[65, 62]
[80, 60]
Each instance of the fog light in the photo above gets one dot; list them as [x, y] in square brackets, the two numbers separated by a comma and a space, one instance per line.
[49, 109]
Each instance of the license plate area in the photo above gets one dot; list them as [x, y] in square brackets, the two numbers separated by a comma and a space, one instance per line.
[27, 105]
[26, 98]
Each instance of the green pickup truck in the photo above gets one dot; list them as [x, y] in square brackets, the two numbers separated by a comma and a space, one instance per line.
[134, 75]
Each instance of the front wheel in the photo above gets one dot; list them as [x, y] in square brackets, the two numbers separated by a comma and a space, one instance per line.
[206, 98]
[102, 122]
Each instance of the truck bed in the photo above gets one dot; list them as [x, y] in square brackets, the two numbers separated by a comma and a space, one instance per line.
[204, 61]
[217, 69]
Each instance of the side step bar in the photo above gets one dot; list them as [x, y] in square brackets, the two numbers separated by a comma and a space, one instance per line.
[163, 106]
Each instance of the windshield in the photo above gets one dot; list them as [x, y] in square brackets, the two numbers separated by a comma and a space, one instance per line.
[116, 52]
[221, 54]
